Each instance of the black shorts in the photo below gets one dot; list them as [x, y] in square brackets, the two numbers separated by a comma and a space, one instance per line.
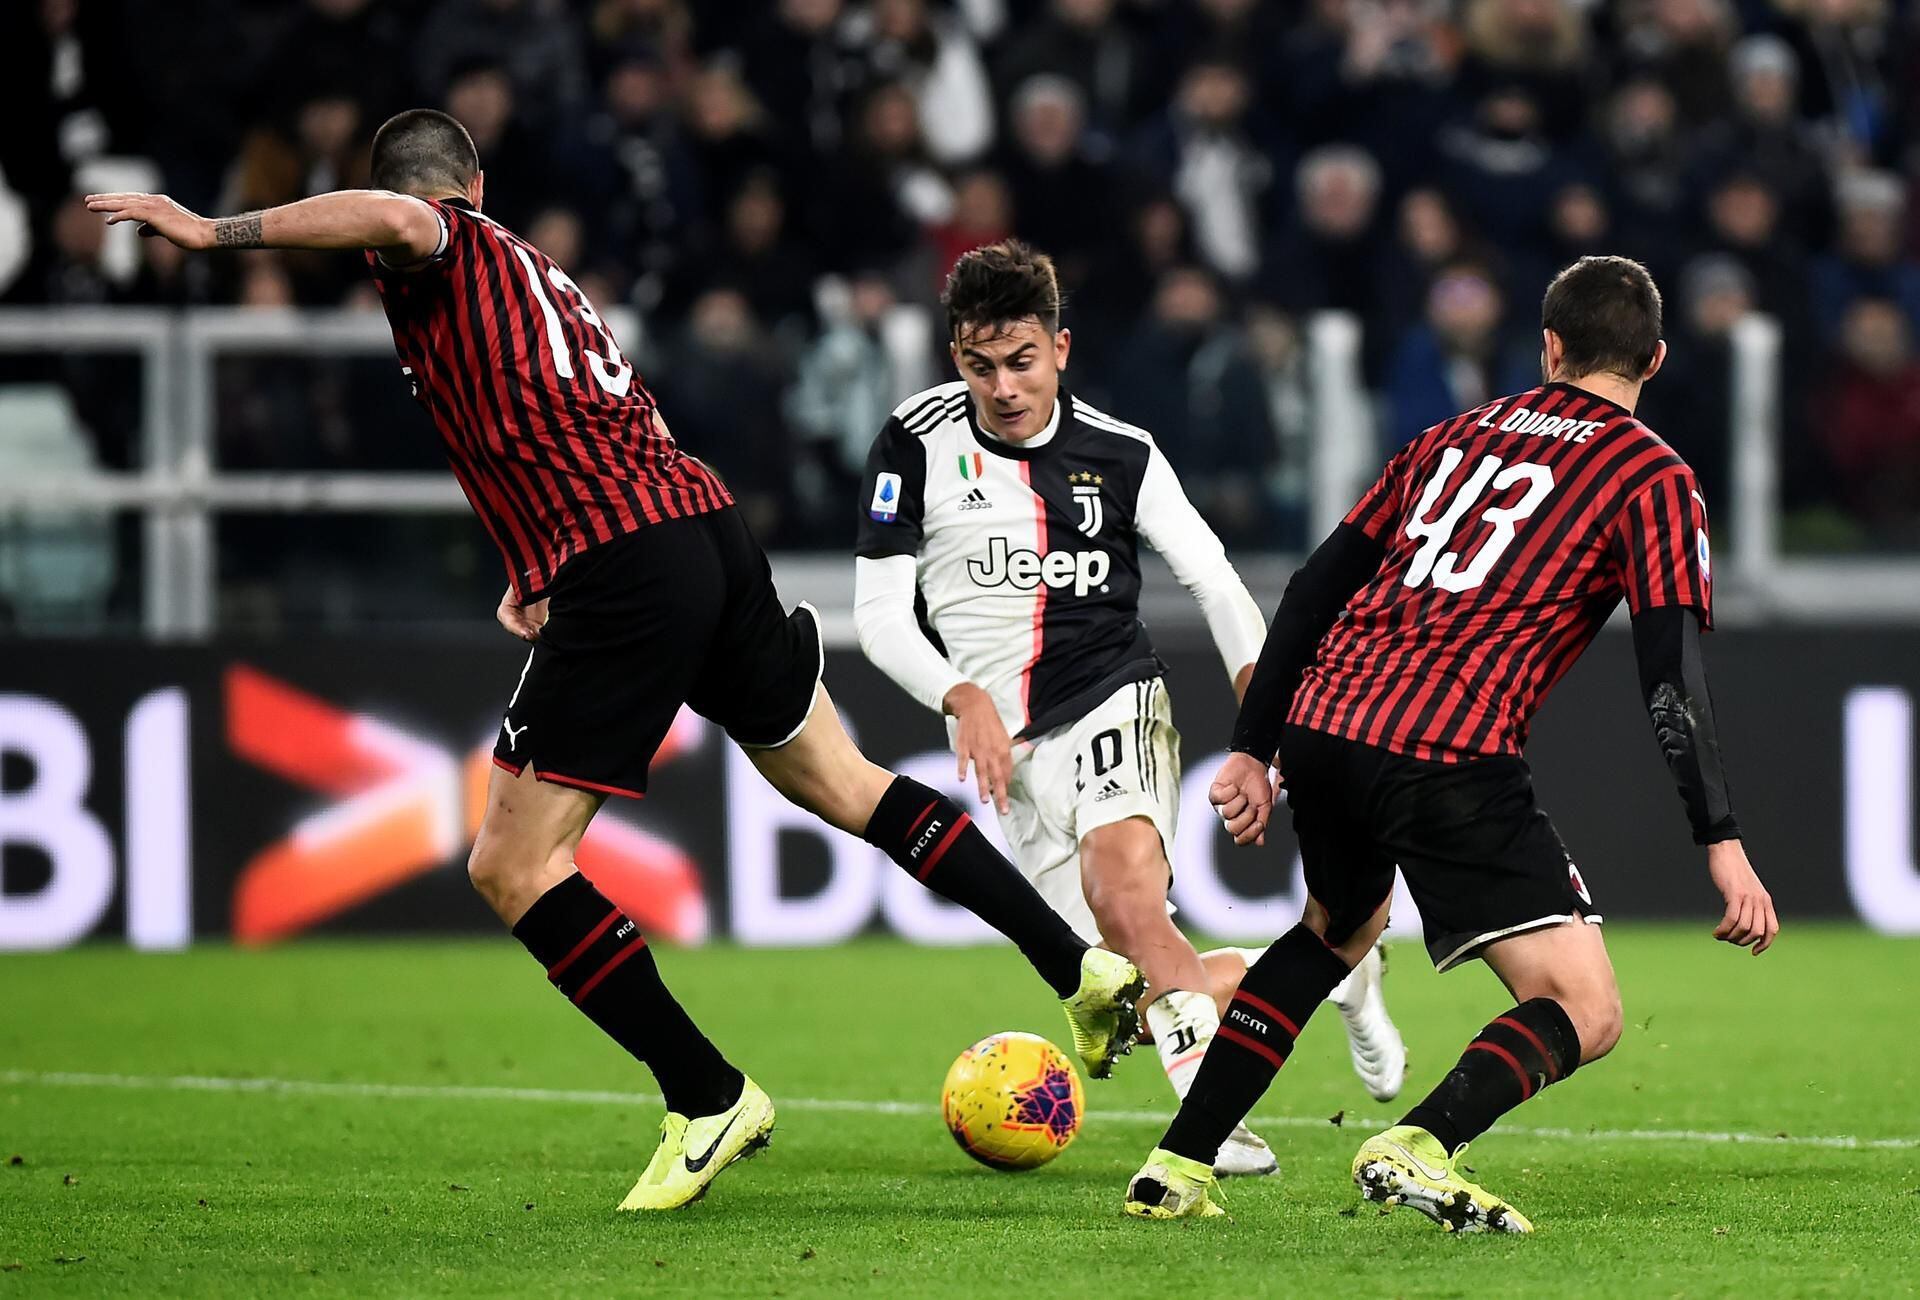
[680, 612]
[1480, 857]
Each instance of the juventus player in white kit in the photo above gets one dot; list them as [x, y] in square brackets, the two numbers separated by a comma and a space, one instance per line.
[998, 581]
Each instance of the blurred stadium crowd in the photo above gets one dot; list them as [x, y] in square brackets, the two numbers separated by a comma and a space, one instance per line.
[778, 186]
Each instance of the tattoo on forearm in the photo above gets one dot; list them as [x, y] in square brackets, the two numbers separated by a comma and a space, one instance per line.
[242, 231]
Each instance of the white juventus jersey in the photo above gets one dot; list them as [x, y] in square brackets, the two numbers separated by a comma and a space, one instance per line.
[1027, 555]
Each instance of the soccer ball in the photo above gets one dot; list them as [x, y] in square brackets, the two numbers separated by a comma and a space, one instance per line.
[1012, 1101]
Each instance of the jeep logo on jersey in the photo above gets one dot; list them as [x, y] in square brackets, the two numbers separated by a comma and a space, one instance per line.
[1024, 570]
[1086, 495]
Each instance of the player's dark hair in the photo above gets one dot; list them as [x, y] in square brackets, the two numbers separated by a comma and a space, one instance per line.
[1000, 284]
[423, 151]
[1606, 311]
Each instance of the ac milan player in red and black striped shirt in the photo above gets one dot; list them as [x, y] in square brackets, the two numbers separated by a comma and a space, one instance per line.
[641, 590]
[1394, 694]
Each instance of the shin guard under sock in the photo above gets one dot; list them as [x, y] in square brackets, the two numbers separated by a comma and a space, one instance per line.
[1279, 993]
[595, 955]
[1520, 1053]
[936, 843]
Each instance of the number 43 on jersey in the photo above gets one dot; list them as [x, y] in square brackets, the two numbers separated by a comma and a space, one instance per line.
[1434, 531]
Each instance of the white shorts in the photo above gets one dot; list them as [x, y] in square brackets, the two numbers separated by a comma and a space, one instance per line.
[1121, 760]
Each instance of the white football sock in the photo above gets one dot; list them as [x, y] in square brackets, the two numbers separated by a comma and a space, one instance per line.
[1183, 1024]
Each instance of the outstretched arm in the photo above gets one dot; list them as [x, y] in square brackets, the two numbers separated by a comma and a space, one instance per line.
[1317, 592]
[1673, 682]
[884, 621]
[402, 228]
[1170, 524]
[889, 632]
[1242, 791]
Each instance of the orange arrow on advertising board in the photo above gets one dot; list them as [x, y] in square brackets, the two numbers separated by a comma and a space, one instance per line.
[408, 806]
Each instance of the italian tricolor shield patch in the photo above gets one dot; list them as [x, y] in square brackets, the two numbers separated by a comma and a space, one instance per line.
[972, 466]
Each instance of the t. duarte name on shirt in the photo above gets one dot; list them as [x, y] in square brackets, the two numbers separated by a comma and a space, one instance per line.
[1521, 420]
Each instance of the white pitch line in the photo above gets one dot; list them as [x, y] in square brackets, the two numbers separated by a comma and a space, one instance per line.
[591, 1097]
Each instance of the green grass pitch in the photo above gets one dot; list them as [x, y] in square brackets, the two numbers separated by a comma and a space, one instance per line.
[132, 1179]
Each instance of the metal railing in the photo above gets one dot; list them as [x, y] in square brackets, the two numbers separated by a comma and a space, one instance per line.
[179, 488]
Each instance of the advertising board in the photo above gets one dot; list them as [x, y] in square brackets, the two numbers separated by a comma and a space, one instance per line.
[258, 792]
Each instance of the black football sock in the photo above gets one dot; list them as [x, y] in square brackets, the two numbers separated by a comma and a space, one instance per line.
[1520, 1053]
[936, 843]
[1279, 993]
[595, 955]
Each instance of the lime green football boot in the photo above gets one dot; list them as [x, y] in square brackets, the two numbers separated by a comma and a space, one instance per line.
[1173, 1187]
[1407, 1166]
[692, 1152]
[1104, 1011]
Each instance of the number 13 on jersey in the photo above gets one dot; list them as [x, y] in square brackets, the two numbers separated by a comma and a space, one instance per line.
[613, 371]
[1434, 531]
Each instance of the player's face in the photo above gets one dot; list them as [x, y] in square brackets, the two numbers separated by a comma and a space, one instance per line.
[1014, 373]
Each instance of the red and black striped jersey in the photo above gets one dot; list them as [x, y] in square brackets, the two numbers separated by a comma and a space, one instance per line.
[1511, 532]
[555, 440]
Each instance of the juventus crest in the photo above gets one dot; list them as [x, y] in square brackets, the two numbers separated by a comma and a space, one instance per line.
[1086, 494]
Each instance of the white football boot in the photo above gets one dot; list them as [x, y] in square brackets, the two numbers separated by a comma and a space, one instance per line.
[1379, 1055]
[1244, 1154]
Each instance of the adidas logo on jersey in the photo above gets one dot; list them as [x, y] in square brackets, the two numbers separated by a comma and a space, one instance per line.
[975, 500]
[1111, 790]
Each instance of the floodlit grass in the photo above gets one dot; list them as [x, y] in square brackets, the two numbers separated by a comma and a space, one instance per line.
[134, 1179]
